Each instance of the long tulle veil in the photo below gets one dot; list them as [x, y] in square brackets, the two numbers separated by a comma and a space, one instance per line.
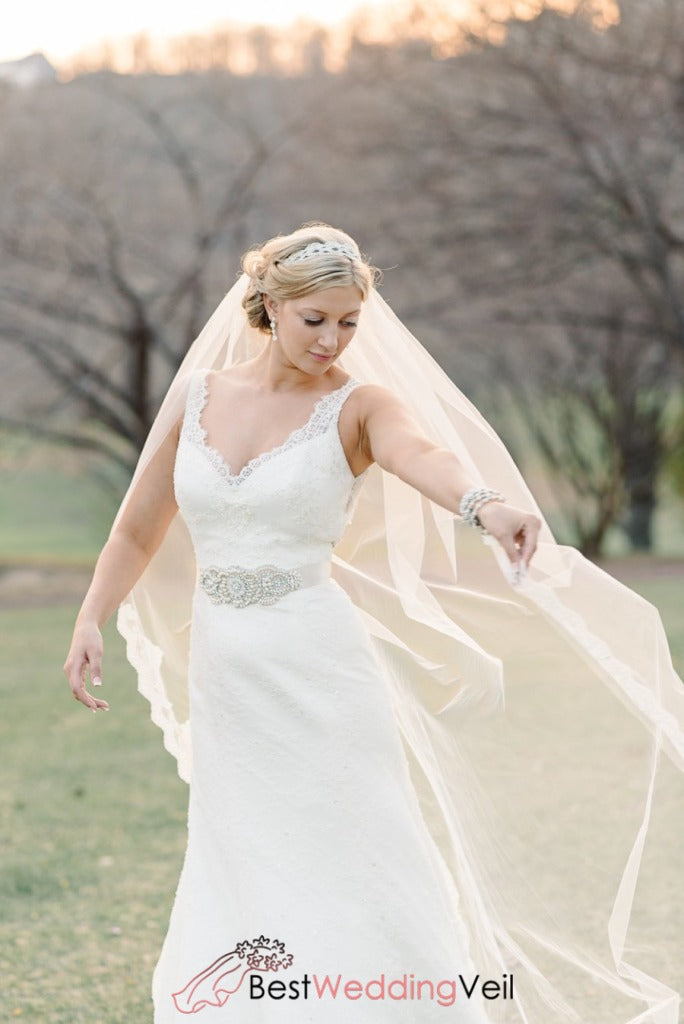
[542, 723]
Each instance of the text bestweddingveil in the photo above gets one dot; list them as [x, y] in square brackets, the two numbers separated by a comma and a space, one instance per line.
[404, 987]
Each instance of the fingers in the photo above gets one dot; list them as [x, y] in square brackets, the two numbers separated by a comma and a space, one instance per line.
[96, 671]
[93, 703]
[507, 542]
[79, 692]
[75, 670]
[527, 538]
[517, 532]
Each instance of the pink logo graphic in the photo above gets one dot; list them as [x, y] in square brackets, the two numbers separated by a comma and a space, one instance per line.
[216, 983]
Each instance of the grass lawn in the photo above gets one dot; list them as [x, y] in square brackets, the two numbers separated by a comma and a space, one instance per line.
[57, 506]
[93, 818]
[93, 812]
[666, 594]
[93, 822]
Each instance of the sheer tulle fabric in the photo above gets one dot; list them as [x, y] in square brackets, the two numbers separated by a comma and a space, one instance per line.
[526, 711]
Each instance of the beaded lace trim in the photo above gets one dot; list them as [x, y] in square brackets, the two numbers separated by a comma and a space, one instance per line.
[315, 425]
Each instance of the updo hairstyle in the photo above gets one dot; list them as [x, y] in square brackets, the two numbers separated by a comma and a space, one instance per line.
[270, 276]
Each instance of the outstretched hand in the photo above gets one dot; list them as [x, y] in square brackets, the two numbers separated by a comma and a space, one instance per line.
[516, 531]
[85, 653]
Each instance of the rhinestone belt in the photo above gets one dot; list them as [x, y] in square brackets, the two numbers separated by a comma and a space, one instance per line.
[265, 584]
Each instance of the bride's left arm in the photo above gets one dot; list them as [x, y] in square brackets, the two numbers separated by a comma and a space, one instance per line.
[391, 437]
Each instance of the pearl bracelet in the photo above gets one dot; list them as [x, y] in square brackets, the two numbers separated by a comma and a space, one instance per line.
[473, 500]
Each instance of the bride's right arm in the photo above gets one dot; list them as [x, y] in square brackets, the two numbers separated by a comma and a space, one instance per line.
[139, 532]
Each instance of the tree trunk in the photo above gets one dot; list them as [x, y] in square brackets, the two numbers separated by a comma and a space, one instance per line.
[140, 342]
[641, 454]
[639, 521]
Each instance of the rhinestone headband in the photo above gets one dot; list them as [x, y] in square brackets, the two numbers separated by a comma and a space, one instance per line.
[320, 249]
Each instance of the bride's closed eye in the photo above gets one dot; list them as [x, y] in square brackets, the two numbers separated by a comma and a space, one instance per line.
[345, 323]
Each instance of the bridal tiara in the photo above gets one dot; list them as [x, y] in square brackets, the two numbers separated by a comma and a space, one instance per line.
[321, 249]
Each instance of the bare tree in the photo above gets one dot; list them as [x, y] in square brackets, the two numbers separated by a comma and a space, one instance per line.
[548, 166]
[526, 194]
[612, 102]
[599, 420]
[108, 270]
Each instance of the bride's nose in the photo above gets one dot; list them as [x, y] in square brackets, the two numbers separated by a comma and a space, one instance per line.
[328, 340]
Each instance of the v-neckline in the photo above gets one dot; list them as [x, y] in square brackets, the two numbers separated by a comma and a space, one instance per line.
[218, 459]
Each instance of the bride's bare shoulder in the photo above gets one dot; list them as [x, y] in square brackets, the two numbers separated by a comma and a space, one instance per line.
[372, 403]
[374, 397]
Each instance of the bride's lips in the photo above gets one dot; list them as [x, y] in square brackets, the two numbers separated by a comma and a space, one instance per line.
[320, 358]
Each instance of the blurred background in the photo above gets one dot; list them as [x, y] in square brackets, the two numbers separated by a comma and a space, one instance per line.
[516, 168]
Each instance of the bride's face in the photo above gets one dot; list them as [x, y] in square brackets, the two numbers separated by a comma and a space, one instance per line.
[314, 330]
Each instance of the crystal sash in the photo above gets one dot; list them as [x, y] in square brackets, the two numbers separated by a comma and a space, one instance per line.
[264, 584]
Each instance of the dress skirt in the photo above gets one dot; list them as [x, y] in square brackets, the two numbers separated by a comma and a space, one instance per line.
[307, 856]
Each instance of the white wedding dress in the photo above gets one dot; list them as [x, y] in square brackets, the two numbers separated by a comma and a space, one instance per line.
[307, 855]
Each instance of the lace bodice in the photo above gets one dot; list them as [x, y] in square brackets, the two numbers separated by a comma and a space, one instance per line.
[289, 505]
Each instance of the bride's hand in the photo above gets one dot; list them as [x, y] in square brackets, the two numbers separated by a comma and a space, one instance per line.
[85, 652]
[515, 529]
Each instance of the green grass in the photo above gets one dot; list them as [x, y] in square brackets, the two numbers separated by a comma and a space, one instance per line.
[49, 518]
[93, 822]
[56, 506]
[93, 827]
[666, 595]
[92, 810]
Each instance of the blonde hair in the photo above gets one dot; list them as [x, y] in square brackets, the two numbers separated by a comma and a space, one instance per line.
[270, 276]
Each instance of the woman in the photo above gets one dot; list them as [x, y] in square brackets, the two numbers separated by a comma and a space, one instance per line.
[334, 828]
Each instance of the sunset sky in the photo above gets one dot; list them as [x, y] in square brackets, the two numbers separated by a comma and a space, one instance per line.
[62, 29]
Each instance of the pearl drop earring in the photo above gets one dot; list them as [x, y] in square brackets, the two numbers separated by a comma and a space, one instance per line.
[274, 333]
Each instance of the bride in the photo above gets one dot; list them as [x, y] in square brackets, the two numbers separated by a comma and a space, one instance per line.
[326, 601]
